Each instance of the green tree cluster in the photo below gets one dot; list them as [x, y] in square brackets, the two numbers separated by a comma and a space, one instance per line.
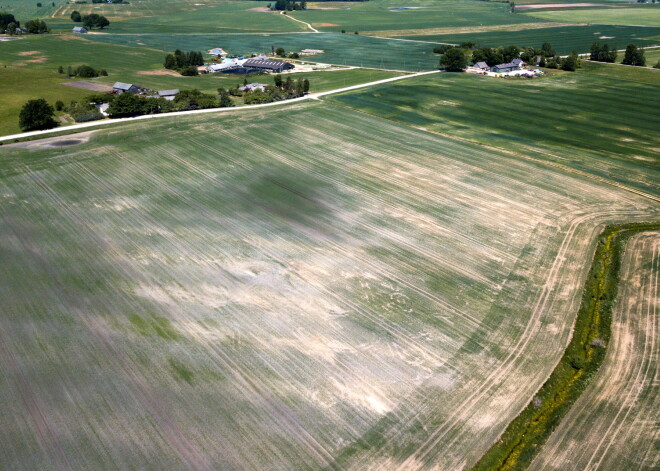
[95, 20]
[280, 90]
[76, 17]
[494, 56]
[7, 19]
[634, 56]
[37, 27]
[185, 62]
[602, 52]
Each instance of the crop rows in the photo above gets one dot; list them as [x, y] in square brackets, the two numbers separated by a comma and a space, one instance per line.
[316, 288]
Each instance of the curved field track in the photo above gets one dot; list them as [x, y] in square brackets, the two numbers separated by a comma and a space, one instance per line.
[302, 289]
[614, 424]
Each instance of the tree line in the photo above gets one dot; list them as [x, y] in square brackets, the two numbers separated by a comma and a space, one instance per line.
[90, 21]
[281, 89]
[10, 25]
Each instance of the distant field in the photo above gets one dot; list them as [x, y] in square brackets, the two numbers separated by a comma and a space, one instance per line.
[606, 125]
[305, 288]
[344, 49]
[644, 16]
[613, 425]
[564, 39]
[378, 15]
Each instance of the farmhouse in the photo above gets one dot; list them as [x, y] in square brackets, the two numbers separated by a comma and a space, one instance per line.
[508, 67]
[79, 30]
[120, 87]
[169, 95]
[268, 65]
[481, 66]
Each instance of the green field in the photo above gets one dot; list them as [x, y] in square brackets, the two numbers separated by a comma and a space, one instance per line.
[344, 49]
[306, 288]
[565, 39]
[644, 16]
[37, 58]
[605, 124]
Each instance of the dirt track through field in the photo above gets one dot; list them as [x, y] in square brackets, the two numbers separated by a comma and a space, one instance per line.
[614, 423]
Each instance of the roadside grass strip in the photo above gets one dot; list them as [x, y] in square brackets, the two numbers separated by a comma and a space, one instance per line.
[525, 436]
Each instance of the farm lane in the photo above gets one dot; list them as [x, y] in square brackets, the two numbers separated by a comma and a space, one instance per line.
[314, 30]
[311, 96]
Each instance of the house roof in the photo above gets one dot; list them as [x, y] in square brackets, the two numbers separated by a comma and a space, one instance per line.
[508, 65]
[168, 92]
[481, 65]
[79, 29]
[517, 61]
[269, 64]
[122, 86]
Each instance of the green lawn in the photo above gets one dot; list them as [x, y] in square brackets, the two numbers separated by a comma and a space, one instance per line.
[641, 16]
[564, 39]
[602, 119]
[379, 15]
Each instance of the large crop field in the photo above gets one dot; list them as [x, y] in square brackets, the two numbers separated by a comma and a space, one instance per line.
[377, 15]
[614, 423]
[644, 16]
[344, 49]
[565, 38]
[602, 120]
[308, 289]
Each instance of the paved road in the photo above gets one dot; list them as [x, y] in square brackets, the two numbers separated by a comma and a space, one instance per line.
[311, 96]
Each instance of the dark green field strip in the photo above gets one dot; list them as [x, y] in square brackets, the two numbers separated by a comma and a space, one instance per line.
[344, 49]
[523, 439]
[564, 39]
[601, 125]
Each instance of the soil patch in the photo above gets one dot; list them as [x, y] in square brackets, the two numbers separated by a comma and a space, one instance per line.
[54, 142]
[259, 9]
[95, 87]
[28, 53]
[324, 24]
[159, 72]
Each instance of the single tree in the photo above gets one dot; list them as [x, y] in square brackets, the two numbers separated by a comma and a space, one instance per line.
[278, 81]
[39, 5]
[60, 70]
[548, 50]
[102, 22]
[454, 60]
[306, 85]
[59, 105]
[170, 62]
[571, 62]
[634, 56]
[37, 115]
[224, 100]
[280, 52]
[11, 29]
[76, 17]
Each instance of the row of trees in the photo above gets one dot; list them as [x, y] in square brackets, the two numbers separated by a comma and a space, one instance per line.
[83, 71]
[90, 21]
[455, 59]
[185, 62]
[602, 53]
[9, 25]
[288, 5]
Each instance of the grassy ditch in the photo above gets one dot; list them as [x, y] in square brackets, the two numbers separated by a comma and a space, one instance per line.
[528, 432]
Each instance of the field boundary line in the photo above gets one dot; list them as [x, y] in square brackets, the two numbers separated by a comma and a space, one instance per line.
[311, 96]
[529, 431]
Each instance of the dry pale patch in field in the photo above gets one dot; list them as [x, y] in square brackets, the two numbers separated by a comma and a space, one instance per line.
[614, 424]
[465, 29]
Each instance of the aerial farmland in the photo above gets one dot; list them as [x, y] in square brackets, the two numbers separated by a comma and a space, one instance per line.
[404, 268]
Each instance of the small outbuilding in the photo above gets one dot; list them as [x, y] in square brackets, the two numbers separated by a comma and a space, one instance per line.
[169, 95]
[120, 87]
[79, 30]
[508, 67]
[481, 66]
[250, 87]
